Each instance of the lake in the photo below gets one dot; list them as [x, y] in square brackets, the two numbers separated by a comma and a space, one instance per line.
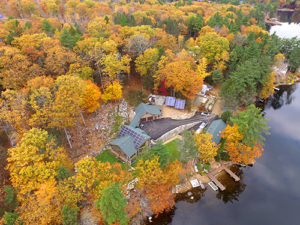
[269, 192]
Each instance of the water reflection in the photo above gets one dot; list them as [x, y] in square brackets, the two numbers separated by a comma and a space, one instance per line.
[233, 189]
[284, 96]
[290, 17]
[191, 196]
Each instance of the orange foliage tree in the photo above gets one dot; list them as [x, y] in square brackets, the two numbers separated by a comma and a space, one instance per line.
[237, 150]
[157, 183]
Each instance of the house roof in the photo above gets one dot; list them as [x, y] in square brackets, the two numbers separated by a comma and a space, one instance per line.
[130, 139]
[215, 129]
[126, 144]
[141, 110]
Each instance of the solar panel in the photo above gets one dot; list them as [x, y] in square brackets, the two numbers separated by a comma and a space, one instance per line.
[170, 101]
[138, 139]
[180, 103]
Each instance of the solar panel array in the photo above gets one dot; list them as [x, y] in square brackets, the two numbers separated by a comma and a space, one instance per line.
[180, 103]
[138, 139]
[170, 101]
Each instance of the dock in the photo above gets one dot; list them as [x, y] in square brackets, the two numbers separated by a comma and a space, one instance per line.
[272, 22]
[218, 183]
[286, 10]
[212, 177]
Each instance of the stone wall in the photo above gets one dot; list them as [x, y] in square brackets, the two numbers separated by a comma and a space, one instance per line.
[176, 131]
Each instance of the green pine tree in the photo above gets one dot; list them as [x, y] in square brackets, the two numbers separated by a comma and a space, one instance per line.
[112, 205]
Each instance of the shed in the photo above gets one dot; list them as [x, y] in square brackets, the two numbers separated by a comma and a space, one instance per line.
[145, 112]
[215, 129]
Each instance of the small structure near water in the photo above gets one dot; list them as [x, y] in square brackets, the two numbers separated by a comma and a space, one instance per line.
[212, 174]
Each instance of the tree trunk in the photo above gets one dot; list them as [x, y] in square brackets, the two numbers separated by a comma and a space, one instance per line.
[67, 136]
[82, 118]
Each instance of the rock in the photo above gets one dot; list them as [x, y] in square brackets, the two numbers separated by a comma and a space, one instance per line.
[280, 72]
[123, 110]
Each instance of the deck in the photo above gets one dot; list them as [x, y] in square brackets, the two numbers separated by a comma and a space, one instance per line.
[212, 174]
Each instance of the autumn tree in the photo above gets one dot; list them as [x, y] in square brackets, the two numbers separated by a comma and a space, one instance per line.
[268, 86]
[214, 48]
[206, 147]
[112, 92]
[13, 111]
[40, 100]
[93, 176]
[35, 160]
[16, 69]
[146, 65]
[236, 149]
[252, 125]
[45, 203]
[156, 182]
[138, 44]
[112, 205]
[185, 77]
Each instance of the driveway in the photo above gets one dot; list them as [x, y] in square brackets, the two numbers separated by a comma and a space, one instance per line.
[159, 127]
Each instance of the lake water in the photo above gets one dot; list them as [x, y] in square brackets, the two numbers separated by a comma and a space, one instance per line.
[269, 192]
[286, 30]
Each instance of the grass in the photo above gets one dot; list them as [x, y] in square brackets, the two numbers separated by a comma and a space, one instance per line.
[172, 149]
[106, 156]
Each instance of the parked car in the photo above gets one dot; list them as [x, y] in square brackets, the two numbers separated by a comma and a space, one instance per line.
[204, 114]
[202, 125]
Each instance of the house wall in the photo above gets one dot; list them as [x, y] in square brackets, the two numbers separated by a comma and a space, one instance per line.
[120, 154]
[149, 117]
[176, 131]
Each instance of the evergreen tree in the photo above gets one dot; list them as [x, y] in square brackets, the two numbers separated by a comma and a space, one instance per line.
[252, 125]
[69, 216]
[112, 205]
[187, 146]
[10, 218]
[195, 23]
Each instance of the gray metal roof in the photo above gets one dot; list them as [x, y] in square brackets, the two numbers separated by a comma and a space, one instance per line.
[126, 144]
[215, 129]
[141, 110]
[130, 139]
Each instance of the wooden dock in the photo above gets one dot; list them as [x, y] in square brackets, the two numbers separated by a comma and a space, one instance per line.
[218, 183]
[286, 10]
[212, 174]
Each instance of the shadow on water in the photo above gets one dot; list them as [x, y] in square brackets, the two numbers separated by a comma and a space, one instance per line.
[289, 17]
[284, 96]
[191, 196]
[233, 189]
[230, 195]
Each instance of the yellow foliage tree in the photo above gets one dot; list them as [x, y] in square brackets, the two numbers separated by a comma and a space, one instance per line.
[35, 160]
[91, 96]
[112, 92]
[268, 86]
[206, 147]
[214, 48]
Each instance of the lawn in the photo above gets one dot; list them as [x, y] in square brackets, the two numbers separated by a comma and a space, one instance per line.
[106, 156]
[172, 149]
